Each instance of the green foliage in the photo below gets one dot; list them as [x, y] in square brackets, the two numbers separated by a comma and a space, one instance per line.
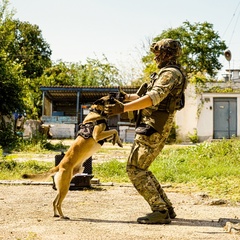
[199, 79]
[10, 142]
[173, 134]
[10, 169]
[93, 73]
[37, 143]
[193, 136]
[10, 72]
[7, 137]
[212, 167]
[1, 153]
[32, 52]
[111, 171]
[30, 49]
[98, 73]
[24, 55]
[201, 48]
[218, 89]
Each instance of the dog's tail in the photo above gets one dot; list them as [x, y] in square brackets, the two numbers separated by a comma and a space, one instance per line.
[41, 176]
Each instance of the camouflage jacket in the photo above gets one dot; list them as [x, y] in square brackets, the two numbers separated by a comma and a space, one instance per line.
[165, 90]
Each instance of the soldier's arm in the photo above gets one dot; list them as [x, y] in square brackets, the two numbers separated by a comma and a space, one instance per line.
[139, 103]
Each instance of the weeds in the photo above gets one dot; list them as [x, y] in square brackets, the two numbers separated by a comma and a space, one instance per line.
[14, 170]
[210, 167]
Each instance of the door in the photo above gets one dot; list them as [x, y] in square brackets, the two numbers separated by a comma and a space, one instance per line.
[225, 117]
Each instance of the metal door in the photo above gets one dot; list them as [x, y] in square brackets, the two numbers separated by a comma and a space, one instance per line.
[225, 117]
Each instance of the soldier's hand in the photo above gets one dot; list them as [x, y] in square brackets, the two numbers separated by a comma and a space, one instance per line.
[114, 109]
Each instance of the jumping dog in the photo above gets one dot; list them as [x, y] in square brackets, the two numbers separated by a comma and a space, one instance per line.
[93, 132]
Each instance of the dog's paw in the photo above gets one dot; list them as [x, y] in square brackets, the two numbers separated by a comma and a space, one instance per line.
[119, 142]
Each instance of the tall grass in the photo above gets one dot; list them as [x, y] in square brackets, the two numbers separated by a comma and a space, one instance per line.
[37, 143]
[13, 170]
[211, 167]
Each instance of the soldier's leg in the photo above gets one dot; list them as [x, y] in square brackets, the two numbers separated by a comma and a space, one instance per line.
[161, 191]
[145, 149]
[163, 195]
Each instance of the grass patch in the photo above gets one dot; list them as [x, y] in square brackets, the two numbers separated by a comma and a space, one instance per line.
[37, 144]
[210, 167]
[112, 171]
[13, 170]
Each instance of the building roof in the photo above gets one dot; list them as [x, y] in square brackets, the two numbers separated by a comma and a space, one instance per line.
[86, 94]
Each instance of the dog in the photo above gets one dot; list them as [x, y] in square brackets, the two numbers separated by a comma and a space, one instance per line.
[92, 134]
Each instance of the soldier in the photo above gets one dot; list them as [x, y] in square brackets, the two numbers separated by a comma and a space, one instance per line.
[157, 107]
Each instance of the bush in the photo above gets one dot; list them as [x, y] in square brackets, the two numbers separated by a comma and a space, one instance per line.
[7, 137]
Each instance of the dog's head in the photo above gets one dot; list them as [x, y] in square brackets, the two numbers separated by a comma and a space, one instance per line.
[108, 99]
[98, 105]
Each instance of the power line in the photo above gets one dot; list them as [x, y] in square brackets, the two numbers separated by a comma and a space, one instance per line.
[231, 22]
[234, 28]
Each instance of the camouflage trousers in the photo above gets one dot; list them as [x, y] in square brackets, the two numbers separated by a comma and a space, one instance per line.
[144, 151]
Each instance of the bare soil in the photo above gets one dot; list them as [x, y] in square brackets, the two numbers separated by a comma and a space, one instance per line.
[108, 212]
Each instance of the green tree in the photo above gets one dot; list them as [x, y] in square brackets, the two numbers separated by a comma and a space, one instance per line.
[24, 55]
[32, 52]
[30, 49]
[201, 47]
[11, 86]
[94, 73]
[97, 73]
[59, 74]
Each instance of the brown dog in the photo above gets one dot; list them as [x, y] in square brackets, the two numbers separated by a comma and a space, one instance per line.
[93, 131]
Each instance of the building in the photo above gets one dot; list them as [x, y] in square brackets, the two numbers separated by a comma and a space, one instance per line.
[213, 112]
[65, 107]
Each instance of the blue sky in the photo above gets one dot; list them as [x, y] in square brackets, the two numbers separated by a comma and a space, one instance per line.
[80, 29]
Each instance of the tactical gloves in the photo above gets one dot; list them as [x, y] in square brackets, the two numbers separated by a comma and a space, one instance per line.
[114, 109]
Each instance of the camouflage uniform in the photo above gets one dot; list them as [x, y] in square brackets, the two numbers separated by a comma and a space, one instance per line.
[153, 126]
[147, 147]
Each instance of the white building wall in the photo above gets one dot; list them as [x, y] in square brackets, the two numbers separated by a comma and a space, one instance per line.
[198, 114]
[205, 119]
[205, 131]
[186, 119]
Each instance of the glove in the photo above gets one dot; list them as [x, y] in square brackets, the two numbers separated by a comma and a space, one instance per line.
[114, 109]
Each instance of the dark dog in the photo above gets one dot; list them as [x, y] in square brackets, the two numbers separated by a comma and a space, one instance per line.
[93, 132]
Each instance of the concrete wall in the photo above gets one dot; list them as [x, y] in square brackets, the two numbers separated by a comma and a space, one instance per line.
[61, 126]
[186, 119]
[61, 131]
[198, 112]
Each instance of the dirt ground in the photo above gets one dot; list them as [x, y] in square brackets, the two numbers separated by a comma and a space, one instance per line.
[108, 212]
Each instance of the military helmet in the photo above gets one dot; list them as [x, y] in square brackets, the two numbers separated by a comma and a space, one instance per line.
[171, 47]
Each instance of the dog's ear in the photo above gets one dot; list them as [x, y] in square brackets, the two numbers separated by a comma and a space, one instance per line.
[99, 102]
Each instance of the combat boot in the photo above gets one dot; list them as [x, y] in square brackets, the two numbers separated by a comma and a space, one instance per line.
[156, 217]
[171, 213]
